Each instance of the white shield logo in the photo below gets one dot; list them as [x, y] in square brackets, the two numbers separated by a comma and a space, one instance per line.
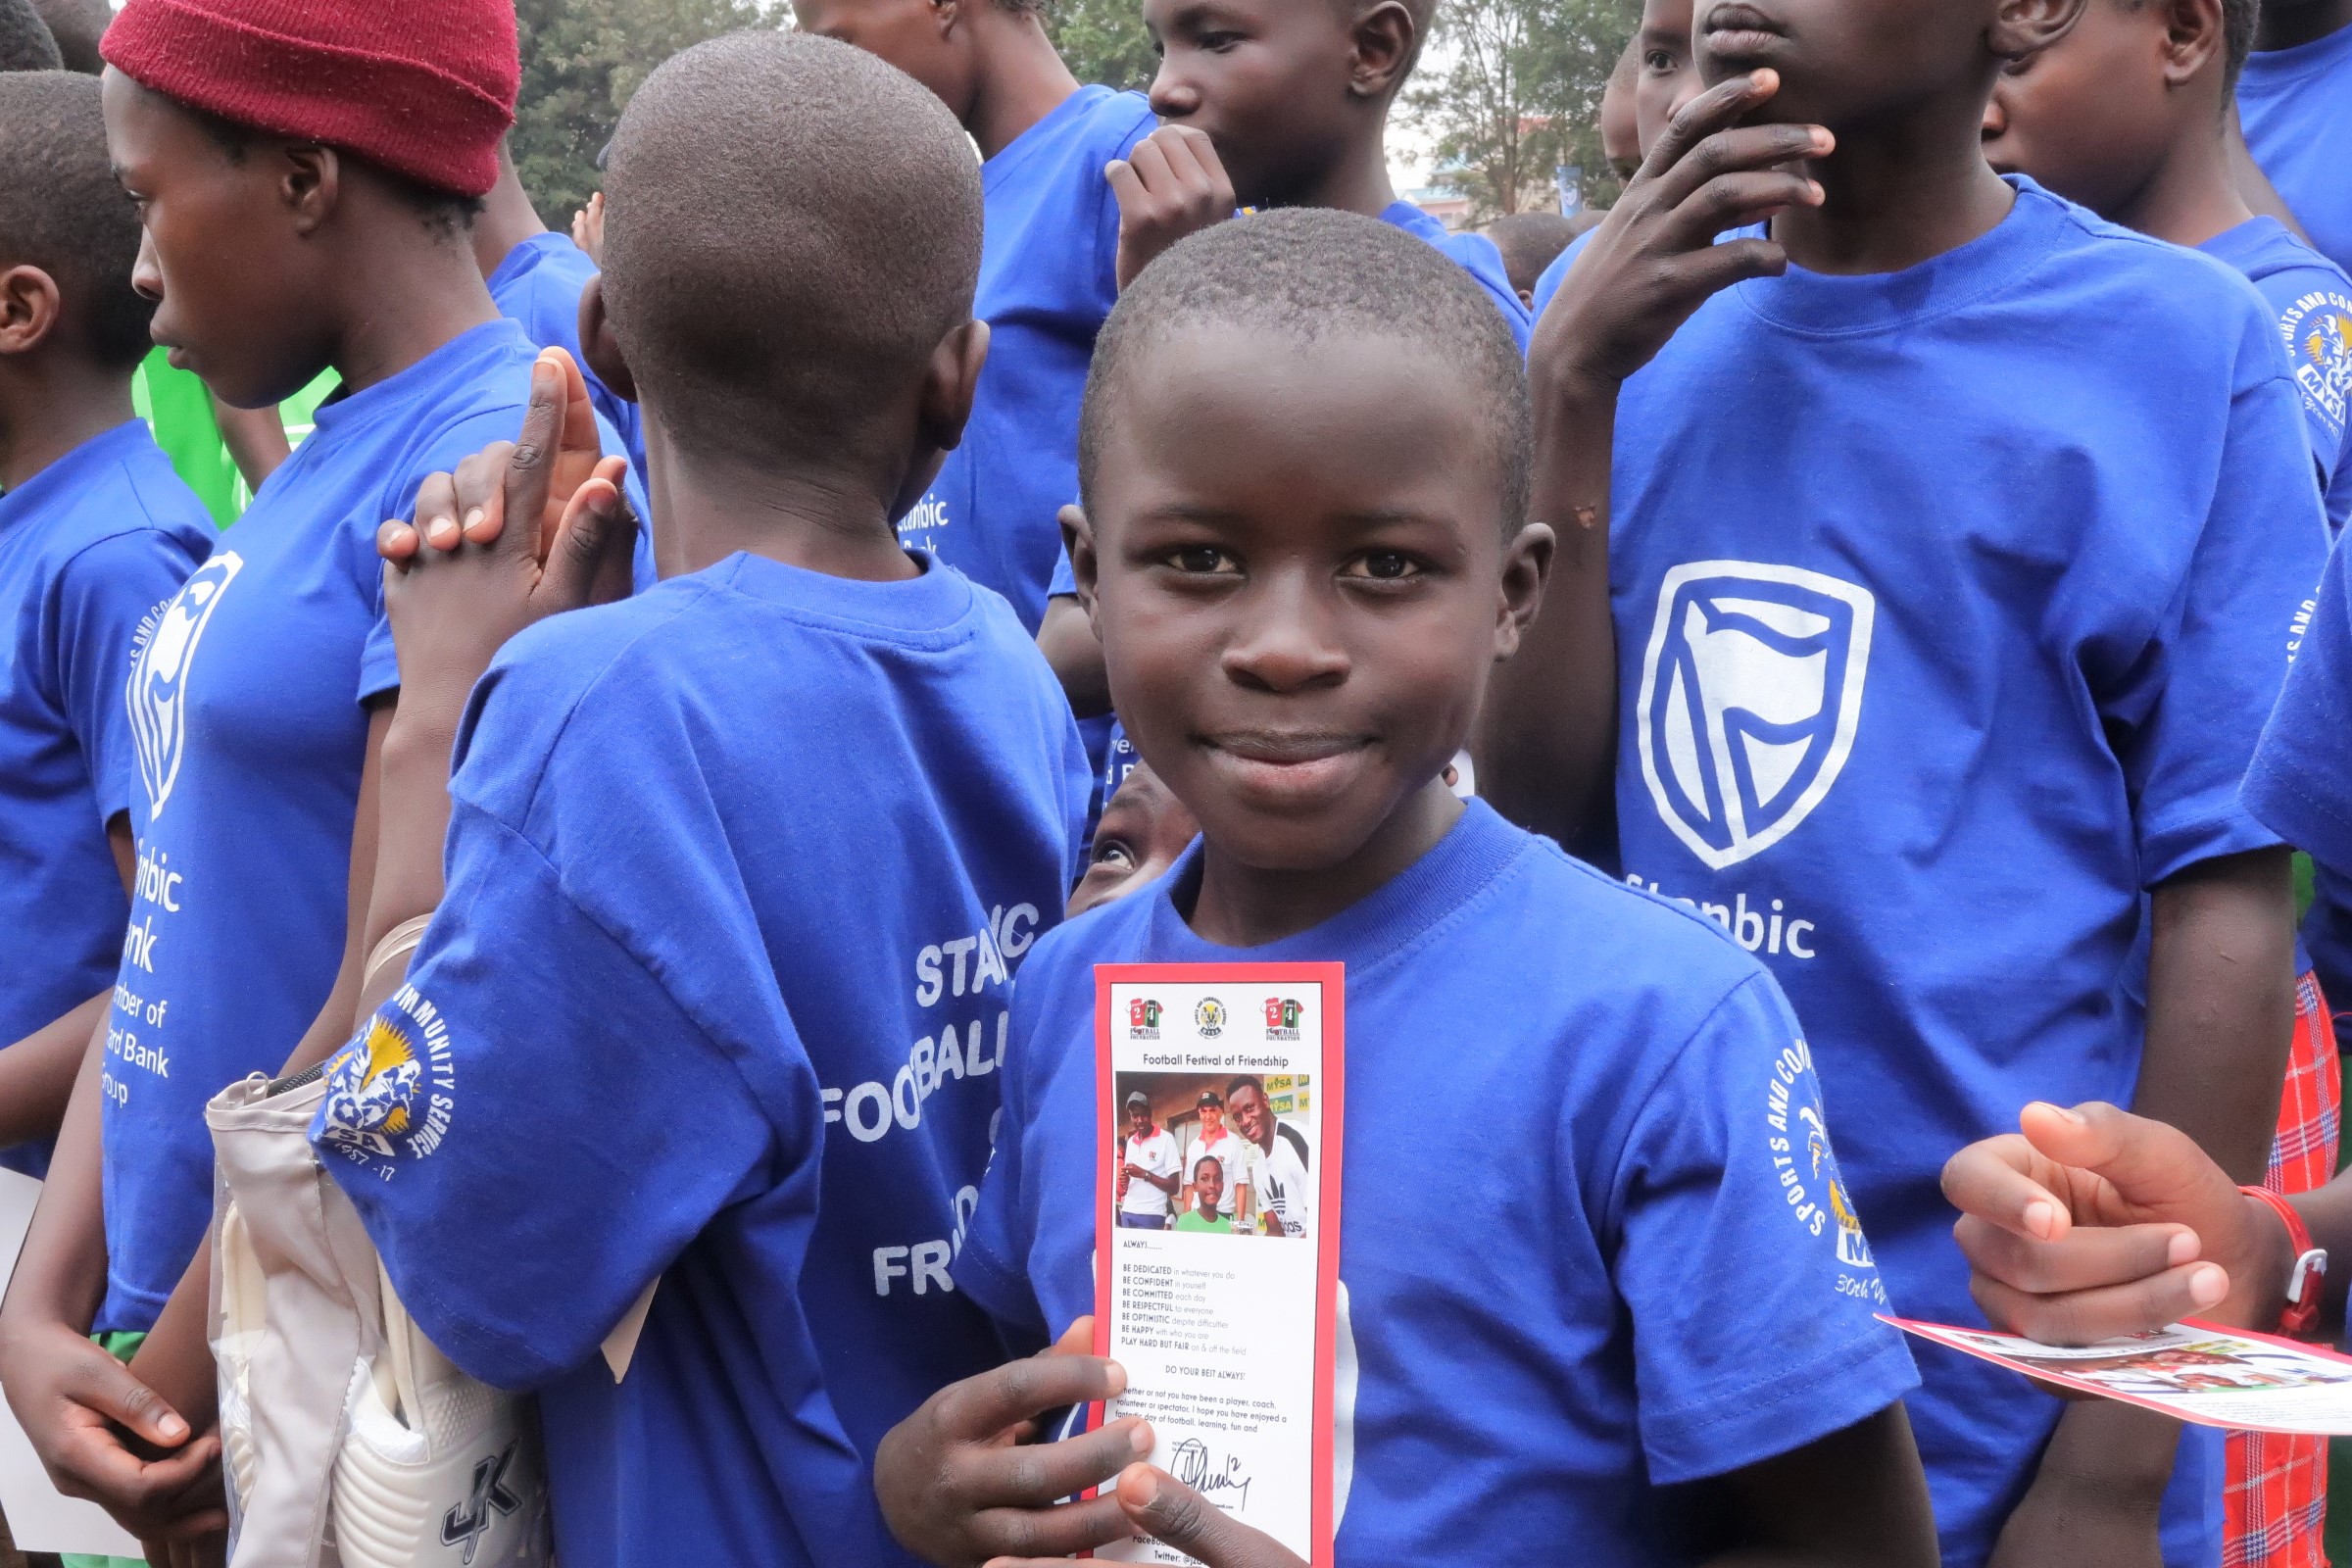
[1751, 692]
[158, 694]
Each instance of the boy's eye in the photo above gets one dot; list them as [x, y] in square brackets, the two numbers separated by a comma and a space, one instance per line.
[1659, 60]
[1111, 851]
[1384, 566]
[1216, 43]
[1203, 560]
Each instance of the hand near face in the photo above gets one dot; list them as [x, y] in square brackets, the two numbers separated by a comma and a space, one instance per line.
[1172, 185]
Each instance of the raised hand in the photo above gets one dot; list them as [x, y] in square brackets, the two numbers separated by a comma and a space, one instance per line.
[522, 530]
[1170, 185]
[2093, 1223]
[1655, 257]
[962, 1481]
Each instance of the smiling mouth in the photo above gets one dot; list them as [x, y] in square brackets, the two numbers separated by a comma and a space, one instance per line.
[1280, 749]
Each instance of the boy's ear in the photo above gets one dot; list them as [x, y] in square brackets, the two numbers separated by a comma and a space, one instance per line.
[598, 346]
[28, 309]
[2194, 35]
[1526, 569]
[1386, 40]
[945, 13]
[2021, 28]
[309, 184]
[950, 383]
[1078, 538]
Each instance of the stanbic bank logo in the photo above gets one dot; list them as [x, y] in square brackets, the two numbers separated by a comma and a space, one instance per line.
[1751, 692]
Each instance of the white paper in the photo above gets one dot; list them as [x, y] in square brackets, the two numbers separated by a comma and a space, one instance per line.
[2211, 1376]
[1218, 1328]
[39, 1517]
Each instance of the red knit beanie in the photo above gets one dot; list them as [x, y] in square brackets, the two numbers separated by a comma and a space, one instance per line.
[424, 87]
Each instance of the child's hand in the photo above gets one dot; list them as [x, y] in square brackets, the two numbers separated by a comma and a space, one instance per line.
[1654, 259]
[588, 228]
[961, 1482]
[2096, 1223]
[103, 1435]
[1173, 1514]
[457, 590]
[1172, 185]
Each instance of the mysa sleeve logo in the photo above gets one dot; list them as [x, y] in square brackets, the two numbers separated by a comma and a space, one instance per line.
[2317, 328]
[1797, 1140]
[158, 694]
[390, 1092]
[1752, 694]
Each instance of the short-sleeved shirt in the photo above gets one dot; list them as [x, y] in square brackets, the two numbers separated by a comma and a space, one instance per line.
[2312, 299]
[1194, 1220]
[1049, 276]
[1158, 1155]
[537, 286]
[90, 547]
[248, 712]
[1952, 601]
[2296, 106]
[738, 874]
[2300, 782]
[1278, 1185]
[1613, 1110]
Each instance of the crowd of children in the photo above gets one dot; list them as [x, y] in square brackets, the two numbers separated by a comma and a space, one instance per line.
[946, 522]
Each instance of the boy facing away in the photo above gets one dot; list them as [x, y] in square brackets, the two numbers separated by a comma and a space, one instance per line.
[96, 531]
[701, 1005]
[1955, 573]
[1304, 543]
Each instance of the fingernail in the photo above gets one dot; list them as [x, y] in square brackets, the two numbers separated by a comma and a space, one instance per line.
[1114, 1379]
[1147, 1487]
[171, 1426]
[2071, 1116]
[2208, 1285]
[1140, 1439]
[473, 518]
[1813, 188]
[2182, 1249]
[2042, 1217]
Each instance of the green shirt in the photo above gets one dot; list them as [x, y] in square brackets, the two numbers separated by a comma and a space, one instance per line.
[1191, 1220]
[175, 403]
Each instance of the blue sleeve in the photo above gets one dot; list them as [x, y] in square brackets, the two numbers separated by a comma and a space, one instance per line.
[1548, 284]
[1751, 1289]
[2301, 783]
[993, 1264]
[2186, 717]
[534, 1128]
[380, 663]
[104, 593]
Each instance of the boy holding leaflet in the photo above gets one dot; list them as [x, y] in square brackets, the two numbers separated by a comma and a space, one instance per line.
[96, 531]
[1927, 724]
[646, 869]
[1306, 456]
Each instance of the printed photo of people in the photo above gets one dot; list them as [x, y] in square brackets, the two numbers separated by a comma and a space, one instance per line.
[1228, 1154]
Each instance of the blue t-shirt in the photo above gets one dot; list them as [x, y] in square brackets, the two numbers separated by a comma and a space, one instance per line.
[90, 547]
[248, 709]
[1549, 283]
[1049, 276]
[2299, 783]
[1611, 1109]
[2312, 300]
[1952, 602]
[538, 287]
[2296, 105]
[739, 870]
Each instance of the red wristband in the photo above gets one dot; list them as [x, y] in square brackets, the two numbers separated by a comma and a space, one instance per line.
[2308, 1273]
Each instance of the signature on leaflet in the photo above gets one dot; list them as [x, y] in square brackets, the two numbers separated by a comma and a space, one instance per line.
[1193, 1465]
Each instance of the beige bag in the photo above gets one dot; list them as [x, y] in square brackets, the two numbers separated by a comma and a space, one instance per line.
[347, 1439]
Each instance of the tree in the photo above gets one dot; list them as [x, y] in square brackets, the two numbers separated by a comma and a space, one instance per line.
[1103, 40]
[581, 60]
[1515, 92]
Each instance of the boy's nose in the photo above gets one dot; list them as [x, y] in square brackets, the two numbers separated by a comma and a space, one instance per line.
[1284, 649]
[1172, 96]
[146, 278]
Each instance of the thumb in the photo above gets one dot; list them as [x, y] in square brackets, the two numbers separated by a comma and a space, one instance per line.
[1175, 1515]
[594, 520]
[2151, 1164]
[107, 1386]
